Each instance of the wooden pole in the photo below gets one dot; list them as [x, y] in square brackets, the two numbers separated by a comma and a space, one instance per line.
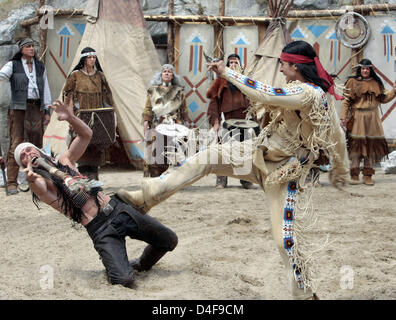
[357, 54]
[42, 38]
[219, 33]
[171, 33]
[292, 14]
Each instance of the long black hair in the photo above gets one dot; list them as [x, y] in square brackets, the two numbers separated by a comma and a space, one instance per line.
[308, 70]
[18, 56]
[373, 74]
[81, 63]
[67, 206]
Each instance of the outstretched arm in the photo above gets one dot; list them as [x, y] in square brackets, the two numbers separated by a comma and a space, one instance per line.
[84, 133]
[291, 97]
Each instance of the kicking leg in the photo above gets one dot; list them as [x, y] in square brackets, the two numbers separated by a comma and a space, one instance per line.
[156, 190]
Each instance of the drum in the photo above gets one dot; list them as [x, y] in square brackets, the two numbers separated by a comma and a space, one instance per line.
[173, 130]
[103, 124]
[240, 126]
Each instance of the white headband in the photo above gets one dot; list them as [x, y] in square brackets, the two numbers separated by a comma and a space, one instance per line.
[365, 65]
[18, 150]
[88, 54]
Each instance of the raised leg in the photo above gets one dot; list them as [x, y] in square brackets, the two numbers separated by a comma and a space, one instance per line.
[156, 190]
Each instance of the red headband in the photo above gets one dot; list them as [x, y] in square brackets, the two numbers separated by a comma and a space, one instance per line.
[322, 73]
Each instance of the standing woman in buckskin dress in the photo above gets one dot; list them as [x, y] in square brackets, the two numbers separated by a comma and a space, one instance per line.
[165, 104]
[87, 88]
[363, 94]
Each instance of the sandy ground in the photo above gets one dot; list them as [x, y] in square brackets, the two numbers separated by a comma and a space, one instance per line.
[225, 250]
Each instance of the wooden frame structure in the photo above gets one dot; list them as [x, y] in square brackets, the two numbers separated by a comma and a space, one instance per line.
[219, 22]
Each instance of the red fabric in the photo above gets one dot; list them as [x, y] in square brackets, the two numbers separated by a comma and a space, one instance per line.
[322, 73]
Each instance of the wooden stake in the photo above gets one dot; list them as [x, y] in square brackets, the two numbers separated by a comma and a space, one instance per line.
[171, 33]
[42, 38]
[219, 33]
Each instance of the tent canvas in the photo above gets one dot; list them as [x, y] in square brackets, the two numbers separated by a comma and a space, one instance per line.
[128, 58]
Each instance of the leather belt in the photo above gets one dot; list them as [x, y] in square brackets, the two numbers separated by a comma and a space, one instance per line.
[109, 207]
[33, 101]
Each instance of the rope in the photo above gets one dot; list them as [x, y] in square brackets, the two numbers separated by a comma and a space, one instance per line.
[72, 14]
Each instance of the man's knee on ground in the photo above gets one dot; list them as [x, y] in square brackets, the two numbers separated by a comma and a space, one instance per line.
[172, 241]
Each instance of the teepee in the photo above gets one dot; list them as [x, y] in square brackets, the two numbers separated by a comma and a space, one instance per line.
[117, 31]
[265, 66]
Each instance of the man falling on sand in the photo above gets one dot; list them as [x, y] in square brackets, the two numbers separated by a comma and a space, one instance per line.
[108, 220]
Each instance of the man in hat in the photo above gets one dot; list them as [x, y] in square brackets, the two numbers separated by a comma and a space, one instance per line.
[227, 99]
[30, 99]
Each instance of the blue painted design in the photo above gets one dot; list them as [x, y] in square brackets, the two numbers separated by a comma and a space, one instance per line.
[136, 153]
[196, 40]
[65, 32]
[387, 30]
[241, 42]
[297, 34]
[241, 54]
[335, 54]
[333, 36]
[80, 27]
[316, 30]
[193, 106]
[195, 60]
[388, 48]
[64, 50]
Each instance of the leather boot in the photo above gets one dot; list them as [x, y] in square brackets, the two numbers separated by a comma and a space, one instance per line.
[367, 173]
[354, 180]
[156, 190]
[354, 172]
[135, 199]
[149, 257]
[368, 181]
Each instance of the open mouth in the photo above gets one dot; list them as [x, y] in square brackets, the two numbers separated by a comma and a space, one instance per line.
[34, 159]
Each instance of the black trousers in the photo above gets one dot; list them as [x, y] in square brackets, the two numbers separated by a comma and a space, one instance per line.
[108, 232]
